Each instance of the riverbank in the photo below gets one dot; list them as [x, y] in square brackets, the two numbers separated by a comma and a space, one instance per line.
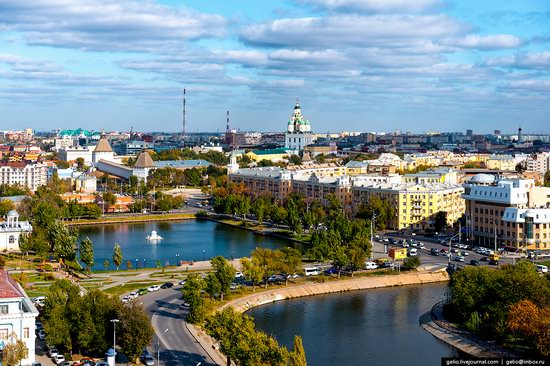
[133, 219]
[435, 323]
[359, 283]
[257, 228]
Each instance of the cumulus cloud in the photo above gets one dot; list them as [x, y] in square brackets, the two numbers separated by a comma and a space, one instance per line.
[535, 61]
[352, 30]
[374, 6]
[107, 25]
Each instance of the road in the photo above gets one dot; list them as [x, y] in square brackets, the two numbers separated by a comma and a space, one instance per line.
[177, 344]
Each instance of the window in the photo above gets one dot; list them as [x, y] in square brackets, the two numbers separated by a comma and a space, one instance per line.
[26, 333]
[12, 239]
[4, 333]
[3, 309]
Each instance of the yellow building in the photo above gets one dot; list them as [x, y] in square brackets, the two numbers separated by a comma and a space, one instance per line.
[501, 162]
[415, 204]
[274, 155]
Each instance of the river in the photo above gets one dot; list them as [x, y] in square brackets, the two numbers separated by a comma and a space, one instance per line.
[188, 240]
[369, 327]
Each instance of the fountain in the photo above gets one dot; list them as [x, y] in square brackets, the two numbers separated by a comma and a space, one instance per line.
[154, 236]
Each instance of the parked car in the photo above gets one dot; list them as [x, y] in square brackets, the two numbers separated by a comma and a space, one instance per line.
[464, 253]
[167, 285]
[125, 299]
[421, 245]
[413, 252]
[181, 283]
[387, 265]
[312, 271]
[148, 360]
[370, 265]
[473, 262]
[133, 294]
[53, 352]
[434, 251]
[235, 286]
[58, 359]
[458, 258]
[142, 291]
[542, 268]
[239, 275]
[153, 288]
[330, 271]
[276, 279]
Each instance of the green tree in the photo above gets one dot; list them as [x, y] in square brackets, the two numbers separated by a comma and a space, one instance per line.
[298, 354]
[80, 163]
[224, 274]
[192, 293]
[547, 178]
[63, 241]
[117, 256]
[5, 207]
[87, 253]
[293, 217]
[290, 262]
[252, 271]
[440, 220]
[411, 263]
[106, 264]
[136, 331]
[109, 198]
[295, 159]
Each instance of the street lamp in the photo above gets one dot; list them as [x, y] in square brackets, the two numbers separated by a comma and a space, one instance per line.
[495, 232]
[373, 217]
[177, 260]
[114, 321]
[203, 255]
[158, 347]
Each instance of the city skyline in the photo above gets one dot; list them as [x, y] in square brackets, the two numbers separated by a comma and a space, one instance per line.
[358, 65]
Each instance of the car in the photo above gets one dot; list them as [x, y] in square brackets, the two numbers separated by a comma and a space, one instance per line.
[542, 268]
[413, 243]
[276, 279]
[167, 285]
[312, 271]
[483, 259]
[148, 360]
[473, 262]
[421, 245]
[405, 245]
[464, 253]
[387, 265]
[370, 265]
[239, 275]
[234, 286]
[58, 359]
[294, 275]
[142, 291]
[153, 288]
[65, 363]
[125, 299]
[53, 352]
[181, 283]
[133, 294]
[434, 251]
[458, 258]
[330, 271]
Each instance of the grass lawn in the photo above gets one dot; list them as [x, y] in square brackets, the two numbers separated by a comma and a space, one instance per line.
[128, 287]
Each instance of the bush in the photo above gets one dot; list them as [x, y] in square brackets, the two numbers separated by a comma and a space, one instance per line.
[411, 263]
[201, 214]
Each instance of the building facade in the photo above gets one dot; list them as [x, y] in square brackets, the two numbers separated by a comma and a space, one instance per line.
[539, 162]
[415, 204]
[31, 176]
[17, 316]
[11, 230]
[70, 154]
[511, 213]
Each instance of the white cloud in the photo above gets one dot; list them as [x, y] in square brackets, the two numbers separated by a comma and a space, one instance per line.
[536, 61]
[337, 31]
[374, 6]
[490, 42]
[107, 25]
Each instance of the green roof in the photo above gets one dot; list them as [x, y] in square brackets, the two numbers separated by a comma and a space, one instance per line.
[270, 151]
[77, 132]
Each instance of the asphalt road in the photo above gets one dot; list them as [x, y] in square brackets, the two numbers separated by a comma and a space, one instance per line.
[178, 347]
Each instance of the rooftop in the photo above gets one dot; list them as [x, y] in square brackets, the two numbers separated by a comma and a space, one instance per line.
[8, 287]
[103, 146]
[144, 161]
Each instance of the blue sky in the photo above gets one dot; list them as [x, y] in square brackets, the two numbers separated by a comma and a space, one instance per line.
[355, 65]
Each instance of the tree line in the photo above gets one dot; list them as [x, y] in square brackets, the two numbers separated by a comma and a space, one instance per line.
[235, 332]
[82, 324]
[510, 305]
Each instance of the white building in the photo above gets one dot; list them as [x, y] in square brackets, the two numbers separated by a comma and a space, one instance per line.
[539, 162]
[144, 164]
[31, 176]
[17, 316]
[85, 183]
[71, 154]
[11, 231]
[298, 134]
[103, 151]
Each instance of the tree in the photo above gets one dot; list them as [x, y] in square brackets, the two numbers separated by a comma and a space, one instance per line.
[290, 262]
[87, 253]
[293, 217]
[440, 220]
[295, 159]
[80, 163]
[63, 241]
[5, 207]
[252, 271]
[106, 264]
[298, 354]
[109, 198]
[531, 322]
[191, 291]
[14, 351]
[117, 256]
[224, 274]
[547, 178]
[411, 263]
[136, 331]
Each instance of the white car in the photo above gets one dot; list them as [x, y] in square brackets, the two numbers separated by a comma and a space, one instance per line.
[58, 359]
[371, 265]
[421, 245]
[125, 299]
[133, 295]
[239, 275]
[181, 283]
[153, 288]
[53, 352]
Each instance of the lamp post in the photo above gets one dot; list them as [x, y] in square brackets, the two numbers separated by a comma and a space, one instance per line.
[177, 260]
[158, 347]
[114, 321]
[373, 217]
[203, 255]
[495, 232]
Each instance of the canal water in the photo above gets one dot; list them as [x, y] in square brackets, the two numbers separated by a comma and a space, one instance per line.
[189, 240]
[369, 327]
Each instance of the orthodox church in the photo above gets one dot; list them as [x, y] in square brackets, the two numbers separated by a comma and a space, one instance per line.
[298, 133]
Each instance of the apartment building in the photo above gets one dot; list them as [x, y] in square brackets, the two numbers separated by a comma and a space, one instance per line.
[415, 203]
[539, 162]
[31, 176]
[507, 212]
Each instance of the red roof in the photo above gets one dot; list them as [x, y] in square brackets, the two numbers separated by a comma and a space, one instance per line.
[8, 287]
